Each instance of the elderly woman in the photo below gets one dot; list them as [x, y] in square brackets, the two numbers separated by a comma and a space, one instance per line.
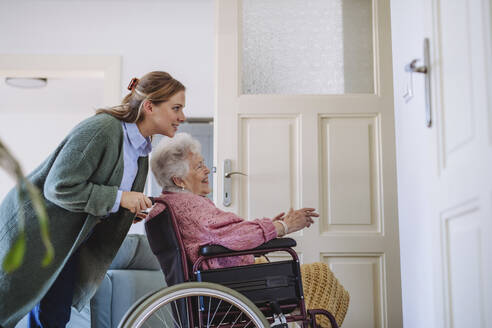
[179, 168]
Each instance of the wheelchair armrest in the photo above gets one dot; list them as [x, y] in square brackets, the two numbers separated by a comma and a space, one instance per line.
[212, 250]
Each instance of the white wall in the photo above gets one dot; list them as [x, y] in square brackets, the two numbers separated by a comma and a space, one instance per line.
[176, 36]
[34, 121]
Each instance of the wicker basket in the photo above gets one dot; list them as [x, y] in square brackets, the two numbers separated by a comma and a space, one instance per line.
[322, 290]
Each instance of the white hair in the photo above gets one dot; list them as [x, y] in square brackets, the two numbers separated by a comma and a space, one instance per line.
[170, 159]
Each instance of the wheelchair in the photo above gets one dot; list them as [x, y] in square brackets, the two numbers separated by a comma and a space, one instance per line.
[259, 295]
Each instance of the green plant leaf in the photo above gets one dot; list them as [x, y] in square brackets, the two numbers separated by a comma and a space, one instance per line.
[15, 255]
[9, 163]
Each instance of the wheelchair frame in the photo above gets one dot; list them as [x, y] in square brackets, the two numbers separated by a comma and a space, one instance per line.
[167, 245]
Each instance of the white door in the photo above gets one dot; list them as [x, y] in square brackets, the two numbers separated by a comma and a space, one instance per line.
[444, 175]
[305, 109]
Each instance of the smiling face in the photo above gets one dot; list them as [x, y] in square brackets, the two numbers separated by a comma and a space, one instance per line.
[167, 116]
[197, 179]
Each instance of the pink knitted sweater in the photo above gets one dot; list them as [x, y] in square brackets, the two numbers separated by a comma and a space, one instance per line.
[201, 223]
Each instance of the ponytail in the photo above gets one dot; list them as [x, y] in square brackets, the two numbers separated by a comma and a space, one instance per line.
[156, 87]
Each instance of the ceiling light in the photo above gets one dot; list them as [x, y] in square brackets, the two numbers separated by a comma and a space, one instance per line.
[27, 82]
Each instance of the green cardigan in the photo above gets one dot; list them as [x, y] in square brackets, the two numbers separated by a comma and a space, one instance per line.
[79, 180]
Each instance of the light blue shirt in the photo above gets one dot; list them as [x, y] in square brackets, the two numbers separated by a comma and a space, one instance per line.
[134, 146]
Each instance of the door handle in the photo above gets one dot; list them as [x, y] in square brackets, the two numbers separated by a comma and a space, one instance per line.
[228, 173]
[413, 68]
[423, 69]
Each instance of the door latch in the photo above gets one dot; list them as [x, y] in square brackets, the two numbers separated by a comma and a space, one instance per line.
[228, 173]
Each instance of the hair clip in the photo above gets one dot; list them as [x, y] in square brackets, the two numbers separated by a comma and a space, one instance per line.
[133, 84]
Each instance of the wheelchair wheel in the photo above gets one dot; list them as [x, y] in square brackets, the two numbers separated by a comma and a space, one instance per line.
[194, 304]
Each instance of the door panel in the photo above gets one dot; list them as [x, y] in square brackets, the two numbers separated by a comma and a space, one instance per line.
[461, 71]
[456, 74]
[350, 174]
[362, 275]
[267, 141]
[462, 239]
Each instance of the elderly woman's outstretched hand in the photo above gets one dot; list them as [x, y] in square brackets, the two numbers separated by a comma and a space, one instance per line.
[300, 219]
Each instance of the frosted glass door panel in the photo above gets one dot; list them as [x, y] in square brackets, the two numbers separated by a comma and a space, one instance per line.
[307, 47]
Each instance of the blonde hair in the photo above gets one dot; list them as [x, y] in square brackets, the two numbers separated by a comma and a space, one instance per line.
[157, 87]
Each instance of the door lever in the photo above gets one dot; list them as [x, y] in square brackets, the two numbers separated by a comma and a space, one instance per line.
[227, 195]
[228, 175]
[423, 69]
[413, 68]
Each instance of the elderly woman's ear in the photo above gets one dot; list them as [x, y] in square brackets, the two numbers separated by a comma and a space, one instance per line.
[179, 182]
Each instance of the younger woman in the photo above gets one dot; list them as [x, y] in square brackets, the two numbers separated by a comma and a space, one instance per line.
[92, 185]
